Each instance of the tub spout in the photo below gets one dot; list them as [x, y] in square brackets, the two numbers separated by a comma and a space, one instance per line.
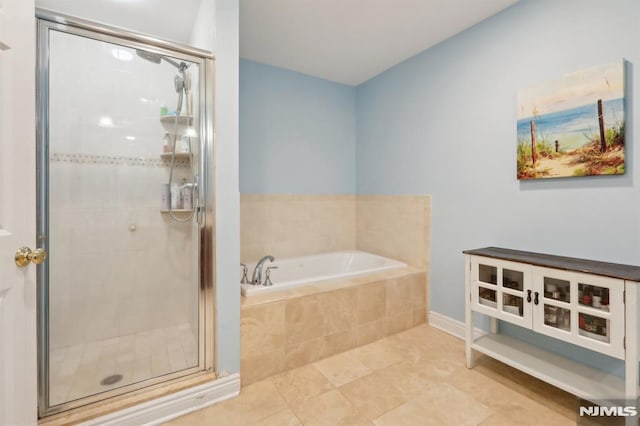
[256, 278]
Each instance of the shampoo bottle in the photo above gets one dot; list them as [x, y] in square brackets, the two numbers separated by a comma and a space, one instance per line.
[184, 145]
[175, 196]
[187, 196]
[167, 148]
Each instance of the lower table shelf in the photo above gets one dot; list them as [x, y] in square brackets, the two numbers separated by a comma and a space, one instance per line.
[578, 379]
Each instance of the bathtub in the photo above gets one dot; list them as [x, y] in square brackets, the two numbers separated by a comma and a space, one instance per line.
[299, 271]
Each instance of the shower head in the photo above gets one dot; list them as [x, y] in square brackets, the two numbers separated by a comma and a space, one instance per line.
[151, 57]
[156, 59]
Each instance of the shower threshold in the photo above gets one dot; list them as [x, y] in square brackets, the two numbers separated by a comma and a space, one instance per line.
[94, 410]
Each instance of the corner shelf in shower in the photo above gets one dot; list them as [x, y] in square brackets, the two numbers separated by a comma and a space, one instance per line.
[179, 155]
[177, 211]
[183, 120]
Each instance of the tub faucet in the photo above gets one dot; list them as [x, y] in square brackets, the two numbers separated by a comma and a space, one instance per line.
[256, 278]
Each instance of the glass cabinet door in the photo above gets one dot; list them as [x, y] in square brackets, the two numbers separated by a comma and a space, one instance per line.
[593, 296]
[556, 299]
[594, 327]
[594, 314]
[582, 309]
[487, 274]
[513, 292]
[487, 297]
[556, 289]
[500, 289]
[485, 287]
[557, 317]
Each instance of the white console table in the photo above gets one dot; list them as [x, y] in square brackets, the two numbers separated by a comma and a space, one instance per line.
[587, 303]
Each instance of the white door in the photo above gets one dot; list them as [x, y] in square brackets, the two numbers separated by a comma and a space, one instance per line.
[18, 368]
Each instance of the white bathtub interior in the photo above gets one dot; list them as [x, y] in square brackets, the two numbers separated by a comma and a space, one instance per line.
[299, 271]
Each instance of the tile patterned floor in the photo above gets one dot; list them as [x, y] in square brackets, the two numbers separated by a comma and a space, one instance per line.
[417, 377]
[78, 370]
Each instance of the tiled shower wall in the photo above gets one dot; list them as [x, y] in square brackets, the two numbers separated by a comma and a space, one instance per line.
[117, 265]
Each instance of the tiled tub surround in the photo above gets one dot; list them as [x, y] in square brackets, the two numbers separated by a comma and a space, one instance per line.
[292, 225]
[395, 226]
[289, 328]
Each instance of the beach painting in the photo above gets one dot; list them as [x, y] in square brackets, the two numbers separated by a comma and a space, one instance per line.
[573, 126]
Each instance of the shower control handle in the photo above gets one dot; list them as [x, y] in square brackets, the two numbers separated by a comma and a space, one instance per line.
[25, 255]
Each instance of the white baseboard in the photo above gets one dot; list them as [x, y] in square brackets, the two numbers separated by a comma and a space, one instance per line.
[169, 407]
[452, 326]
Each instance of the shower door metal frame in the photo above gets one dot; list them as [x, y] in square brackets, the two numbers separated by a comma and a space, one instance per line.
[52, 21]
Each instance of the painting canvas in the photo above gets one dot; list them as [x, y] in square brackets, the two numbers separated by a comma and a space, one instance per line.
[573, 126]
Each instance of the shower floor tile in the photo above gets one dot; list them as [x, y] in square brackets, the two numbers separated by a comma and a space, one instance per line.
[77, 371]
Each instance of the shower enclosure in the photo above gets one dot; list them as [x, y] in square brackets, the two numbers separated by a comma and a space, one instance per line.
[124, 211]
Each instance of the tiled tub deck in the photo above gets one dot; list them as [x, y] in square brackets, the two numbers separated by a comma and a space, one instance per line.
[290, 328]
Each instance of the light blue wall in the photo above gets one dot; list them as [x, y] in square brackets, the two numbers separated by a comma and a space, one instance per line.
[444, 123]
[297, 133]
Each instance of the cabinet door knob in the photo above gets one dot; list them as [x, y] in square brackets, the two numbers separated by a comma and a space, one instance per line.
[528, 296]
[535, 299]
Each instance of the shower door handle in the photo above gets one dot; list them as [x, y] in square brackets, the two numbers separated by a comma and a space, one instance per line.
[25, 255]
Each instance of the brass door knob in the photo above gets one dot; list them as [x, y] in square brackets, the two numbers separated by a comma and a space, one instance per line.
[26, 255]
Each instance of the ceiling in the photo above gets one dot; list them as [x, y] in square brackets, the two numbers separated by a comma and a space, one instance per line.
[350, 41]
[167, 19]
[347, 41]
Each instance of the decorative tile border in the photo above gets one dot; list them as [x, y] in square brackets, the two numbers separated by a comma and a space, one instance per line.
[117, 160]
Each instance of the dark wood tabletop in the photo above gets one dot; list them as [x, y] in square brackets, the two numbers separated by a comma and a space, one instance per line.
[595, 267]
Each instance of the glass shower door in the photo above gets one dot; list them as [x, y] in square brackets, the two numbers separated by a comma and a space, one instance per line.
[120, 199]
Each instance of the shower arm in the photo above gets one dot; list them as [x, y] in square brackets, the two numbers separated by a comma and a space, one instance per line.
[180, 65]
